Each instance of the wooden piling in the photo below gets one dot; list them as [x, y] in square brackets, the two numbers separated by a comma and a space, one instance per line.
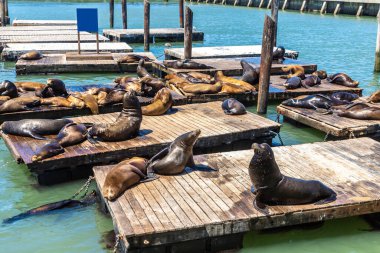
[323, 8]
[6, 9]
[181, 4]
[303, 6]
[2, 14]
[274, 14]
[285, 5]
[265, 64]
[337, 9]
[146, 24]
[112, 10]
[188, 33]
[377, 54]
[249, 3]
[261, 3]
[360, 11]
[124, 13]
[269, 4]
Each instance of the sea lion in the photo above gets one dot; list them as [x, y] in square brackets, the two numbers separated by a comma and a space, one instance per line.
[132, 58]
[195, 80]
[154, 84]
[124, 175]
[19, 104]
[75, 101]
[230, 88]
[58, 87]
[185, 64]
[161, 103]
[271, 187]
[279, 55]
[343, 98]
[56, 102]
[295, 70]
[361, 111]
[29, 86]
[96, 90]
[204, 77]
[135, 85]
[127, 124]
[3, 99]
[233, 107]
[48, 150]
[101, 98]
[71, 134]
[320, 73]
[114, 97]
[34, 128]
[7, 88]
[173, 159]
[311, 80]
[46, 92]
[90, 102]
[31, 55]
[220, 77]
[201, 88]
[374, 98]
[310, 102]
[124, 79]
[250, 74]
[293, 83]
[141, 70]
[343, 79]
[176, 80]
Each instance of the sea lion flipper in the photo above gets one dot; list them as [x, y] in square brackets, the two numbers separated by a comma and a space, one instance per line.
[326, 200]
[259, 206]
[190, 162]
[149, 178]
[159, 155]
[36, 136]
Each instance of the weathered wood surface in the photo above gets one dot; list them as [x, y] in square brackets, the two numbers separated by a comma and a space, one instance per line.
[331, 123]
[155, 133]
[58, 63]
[25, 22]
[49, 38]
[43, 33]
[13, 50]
[48, 112]
[159, 34]
[38, 28]
[199, 204]
[222, 52]
[230, 66]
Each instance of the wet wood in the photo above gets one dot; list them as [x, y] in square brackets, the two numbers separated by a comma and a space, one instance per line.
[274, 15]
[181, 5]
[204, 205]
[2, 13]
[124, 13]
[188, 42]
[38, 28]
[112, 12]
[377, 50]
[146, 24]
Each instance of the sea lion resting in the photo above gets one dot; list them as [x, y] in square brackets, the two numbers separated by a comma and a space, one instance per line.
[343, 79]
[233, 107]
[162, 102]
[31, 55]
[132, 58]
[56, 102]
[315, 102]
[54, 88]
[279, 55]
[19, 104]
[29, 86]
[154, 84]
[185, 64]
[293, 83]
[310, 81]
[251, 74]
[127, 124]
[7, 88]
[295, 70]
[203, 88]
[124, 175]
[374, 98]
[361, 111]
[220, 77]
[320, 73]
[343, 98]
[271, 187]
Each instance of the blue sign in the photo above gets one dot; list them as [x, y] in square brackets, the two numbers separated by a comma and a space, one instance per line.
[87, 20]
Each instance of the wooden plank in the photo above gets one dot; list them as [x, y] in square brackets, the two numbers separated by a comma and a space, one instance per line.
[25, 22]
[49, 38]
[37, 28]
[349, 167]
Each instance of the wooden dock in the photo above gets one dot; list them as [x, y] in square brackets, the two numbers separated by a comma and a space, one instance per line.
[211, 211]
[25, 22]
[229, 66]
[221, 52]
[331, 124]
[30, 29]
[63, 63]
[155, 34]
[219, 132]
[35, 37]
[14, 50]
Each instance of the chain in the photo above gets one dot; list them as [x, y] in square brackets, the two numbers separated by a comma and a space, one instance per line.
[278, 118]
[84, 187]
[326, 136]
[279, 137]
[117, 242]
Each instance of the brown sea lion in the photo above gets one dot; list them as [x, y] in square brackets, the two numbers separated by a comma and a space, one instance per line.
[58, 87]
[90, 102]
[311, 80]
[7, 88]
[101, 98]
[250, 74]
[56, 102]
[161, 103]
[220, 77]
[271, 187]
[374, 98]
[136, 86]
[279, 55]
[71, 134]
[320, 73]
[29, 86]
[173, 159]
[201, 88]
[194, 80]
[343, 79]
[132, 58]
[3, 99]
[34, 128]
[175, 79]
[127, 124]
[233, 107]
[141, 70]
[19, 104]
[361, 111]
[75, 101]
[31, 55]
[48, 150]
[114, 97]
[204, 77]
[295, 70]
[230, 88]
[185, 64]
[96, 90]
[124, 79]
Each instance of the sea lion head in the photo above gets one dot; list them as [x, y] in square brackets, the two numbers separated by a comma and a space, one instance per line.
[289, 102]
[188, 139]
[112, 186]
[51, 149]
[262, 151]
[375, 97]
[164, 95]
[130, 100]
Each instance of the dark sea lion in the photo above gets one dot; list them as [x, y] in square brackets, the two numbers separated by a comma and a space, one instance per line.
[343, 79]
[127, 124]
[114, 97]
[7, 88]
[19, 104]
[374, 98]
[233, 107]
[161, 103]
[173, 159]
[154, 84]
[132, 58]
[293, 83]
[124, 175]
[250, 74]
[46, 92]
[58, 87]
[34, 128]
[48, 150]
[201, 88]
[320, 73]
[361, 111]
[311, 81]
[31, 55]
[62, 204]
[271, 187]
[71, 134]
[141, 70]
[343, 98]
[310, 102]
[295, 70]
[279, 55]
[185, 64]
[220, 77]
[56, 102]
[29, 86]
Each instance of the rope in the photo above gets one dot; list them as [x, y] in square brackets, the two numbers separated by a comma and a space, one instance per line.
[279, 137]
[117, 242]
[326, 136]
[84, 187]
[278, 118]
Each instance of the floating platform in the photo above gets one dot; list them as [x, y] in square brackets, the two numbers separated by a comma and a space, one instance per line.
[38, 28]
[85, 62]
[14, 50]
[219, 132]
[49, 38]
[48, 34]
[331, 124]
[229, 66]
[25, 22]
[221, 52]
[155, 34]
[276, 92]
[199, 211]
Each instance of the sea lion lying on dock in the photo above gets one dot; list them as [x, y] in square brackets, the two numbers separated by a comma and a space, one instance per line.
[203, 88]
[90, 102]
[124, 79]
[361, 111]
[124, 175]
[34, 128]
[343, 98]
[58, 87]
[185, 64]
[127, 124]
[161, 103]
[315, 102]
[132, 58]
[271, 187]
[220, 77]
[56, 102]
[374, 98]
[50, 149]
[154, 84]
[204, 78]
[31, 55]
[173, 159]
[250, 75]
[293, 83]
[311, 80]
[29, 86]
[279, 55]
[9, 89]
[320, 73]
[19, 104]
[233, 107]
[343, 79]
[114, 97]
[96, 90]
[295, 70]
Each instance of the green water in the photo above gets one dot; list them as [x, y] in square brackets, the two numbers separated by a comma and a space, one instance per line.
[341, 43]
